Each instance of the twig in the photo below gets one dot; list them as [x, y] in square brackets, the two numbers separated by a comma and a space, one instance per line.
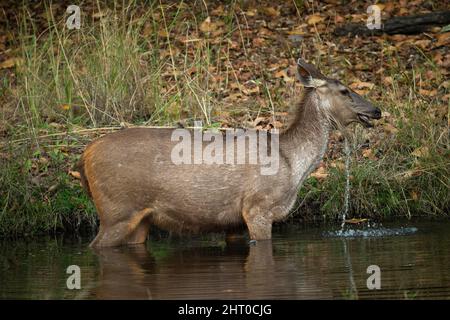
[85, 131]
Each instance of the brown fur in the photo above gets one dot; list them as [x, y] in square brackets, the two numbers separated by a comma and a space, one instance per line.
[133, 182]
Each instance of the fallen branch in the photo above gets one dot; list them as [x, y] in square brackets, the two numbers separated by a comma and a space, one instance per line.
[396, 25]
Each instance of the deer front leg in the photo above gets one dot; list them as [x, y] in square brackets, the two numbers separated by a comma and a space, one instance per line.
[259, 223]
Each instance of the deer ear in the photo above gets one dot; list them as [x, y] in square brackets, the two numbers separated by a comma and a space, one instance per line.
[308, 75]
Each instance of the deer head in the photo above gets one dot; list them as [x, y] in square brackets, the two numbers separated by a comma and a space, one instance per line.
[341, 104]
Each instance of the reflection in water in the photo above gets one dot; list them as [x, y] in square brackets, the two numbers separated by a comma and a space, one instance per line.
[353, 290]
[235, 271]
[296, 264]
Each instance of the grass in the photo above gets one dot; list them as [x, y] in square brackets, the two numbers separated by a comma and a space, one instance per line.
[38, 196]
[154, 66]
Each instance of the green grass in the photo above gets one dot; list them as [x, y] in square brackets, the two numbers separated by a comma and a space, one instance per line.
[132, 66]
[399, 182]
[38, 196]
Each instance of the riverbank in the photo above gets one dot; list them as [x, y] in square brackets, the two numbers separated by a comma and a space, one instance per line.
[229, 65]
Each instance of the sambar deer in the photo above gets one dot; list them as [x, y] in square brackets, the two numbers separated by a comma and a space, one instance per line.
[134, 183]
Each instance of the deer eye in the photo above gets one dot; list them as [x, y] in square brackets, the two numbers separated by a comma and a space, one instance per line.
[344, 91]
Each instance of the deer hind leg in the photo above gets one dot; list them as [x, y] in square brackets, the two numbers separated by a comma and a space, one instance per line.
[133, 230]
[139, 227]
[259, 223]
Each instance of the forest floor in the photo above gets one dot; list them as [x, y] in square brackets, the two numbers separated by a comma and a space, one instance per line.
[227, 63]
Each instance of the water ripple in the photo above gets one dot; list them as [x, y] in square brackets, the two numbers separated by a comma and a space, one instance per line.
[371, 232]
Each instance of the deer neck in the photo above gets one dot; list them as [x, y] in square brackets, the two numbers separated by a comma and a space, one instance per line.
[305, 141]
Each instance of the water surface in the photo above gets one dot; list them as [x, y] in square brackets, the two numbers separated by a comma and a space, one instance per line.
[299, 263]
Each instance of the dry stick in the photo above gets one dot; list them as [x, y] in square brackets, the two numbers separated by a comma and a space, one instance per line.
[200, 103]
[241, 35]
[66, 133]
[51, 135]
[58, 134]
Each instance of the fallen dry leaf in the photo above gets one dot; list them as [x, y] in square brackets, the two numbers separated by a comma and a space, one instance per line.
[75, 174]
[339, 19]
[277, 124]
[389, 128]
[423, 44]
[408, 174]
[258, 42]
[99, 14]
[443, 39]
[403, 11]
[270, 11]
[388, 80]
[445, 84]
[207, 26]
[11, 62]
[445, 99]
[421, 152]
[430, 74]
[250, 91]
[283, 74]
[163, 33]
[369, 154]
[219, 11]
[389, 7]
[251, 12]
[358, 17]
[320, 173]
[362, 85]
[314, 19]
[355, 221]
[337, 164]
[298, 31]
[429, 93]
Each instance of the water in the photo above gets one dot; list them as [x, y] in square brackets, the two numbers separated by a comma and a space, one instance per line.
[365, 228]
[299, 263]
[370, 232]
[347, 152]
